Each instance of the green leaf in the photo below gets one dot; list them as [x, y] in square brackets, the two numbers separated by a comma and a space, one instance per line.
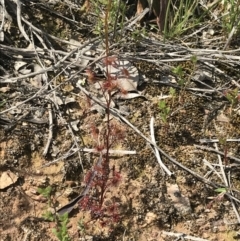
[194, 59]
[48, 216]
[64, 218]
[46, 192]
[221, 190]
[172, 91]
[181, 82]
[178, 70]
[162, 104]
[167, 110]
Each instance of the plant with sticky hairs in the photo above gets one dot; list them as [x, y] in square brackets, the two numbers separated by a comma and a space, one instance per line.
[100, 208]
[103, 175]
[96, 198]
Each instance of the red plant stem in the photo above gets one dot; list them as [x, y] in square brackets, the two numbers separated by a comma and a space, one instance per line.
[104, 183]
[105, 163]
[108, 99]
[106, 27]
[108, 76]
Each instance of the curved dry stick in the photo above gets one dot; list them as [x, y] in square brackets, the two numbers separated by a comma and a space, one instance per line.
[19, 21]
[155, 150]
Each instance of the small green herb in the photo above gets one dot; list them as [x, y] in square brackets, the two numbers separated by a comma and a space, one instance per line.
[232, 96]
[48, 216]
[180, 74]
[46, 192]
[61, 221]
[194, 59]
[172, 92]
[61, 231]
[164, 110]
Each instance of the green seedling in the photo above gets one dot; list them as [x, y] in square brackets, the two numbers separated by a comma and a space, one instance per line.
[137, 34]
[178, 71]
[48, 215]
[194, 59]
[192, 70]
[164, 110]
[221, 193]
[233, 97]
[185, 74]
[2, 103]
[47, 193]
[3, 100]
[180, 74]
[61, 231]
[221, 190]
[172, 92]
[61, 221]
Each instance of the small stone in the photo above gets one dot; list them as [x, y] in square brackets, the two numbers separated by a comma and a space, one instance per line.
[7, 178]
[180, 202]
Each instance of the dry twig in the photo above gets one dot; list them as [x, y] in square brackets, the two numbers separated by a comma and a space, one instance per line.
[183, 236]
[50, 134]
[156, 152]
[218, 152]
